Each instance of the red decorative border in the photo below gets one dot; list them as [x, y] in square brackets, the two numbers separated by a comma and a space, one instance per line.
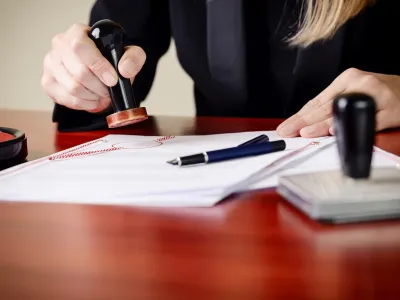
[72, 153]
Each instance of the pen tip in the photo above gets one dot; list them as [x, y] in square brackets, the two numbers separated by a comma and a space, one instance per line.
[173, 162]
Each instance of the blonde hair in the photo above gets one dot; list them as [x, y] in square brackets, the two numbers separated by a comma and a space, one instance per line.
[321, 19]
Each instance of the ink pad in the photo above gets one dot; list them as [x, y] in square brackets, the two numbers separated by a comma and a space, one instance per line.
[13, 147]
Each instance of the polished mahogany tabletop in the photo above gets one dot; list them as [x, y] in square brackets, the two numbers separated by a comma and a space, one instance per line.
[253, 246]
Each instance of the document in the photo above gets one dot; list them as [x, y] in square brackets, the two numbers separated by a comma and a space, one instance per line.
[133, 170]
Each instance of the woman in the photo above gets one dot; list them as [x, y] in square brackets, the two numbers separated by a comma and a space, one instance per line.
[264, 58]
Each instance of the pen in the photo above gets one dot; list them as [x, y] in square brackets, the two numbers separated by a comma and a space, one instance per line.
[229, 153]
[259, 139]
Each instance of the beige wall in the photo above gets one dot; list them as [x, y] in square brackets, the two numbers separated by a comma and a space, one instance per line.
[26, 29]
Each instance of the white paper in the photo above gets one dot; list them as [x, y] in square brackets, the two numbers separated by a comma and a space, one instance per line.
[138, 173]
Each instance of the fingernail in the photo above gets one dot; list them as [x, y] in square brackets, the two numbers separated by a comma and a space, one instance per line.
[109, 79]
[129, 66]
[288, 129]
[309, 129]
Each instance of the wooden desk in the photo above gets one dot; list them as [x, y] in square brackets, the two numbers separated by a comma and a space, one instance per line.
[253, 247]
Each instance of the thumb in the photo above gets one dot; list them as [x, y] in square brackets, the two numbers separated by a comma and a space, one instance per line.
[132, 61]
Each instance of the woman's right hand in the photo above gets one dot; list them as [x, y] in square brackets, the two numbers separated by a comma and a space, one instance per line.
[76, 75]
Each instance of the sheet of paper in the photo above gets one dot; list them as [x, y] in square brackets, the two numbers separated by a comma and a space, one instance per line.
[132, 170]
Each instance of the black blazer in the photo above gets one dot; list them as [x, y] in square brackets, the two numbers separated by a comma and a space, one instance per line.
[368, 42]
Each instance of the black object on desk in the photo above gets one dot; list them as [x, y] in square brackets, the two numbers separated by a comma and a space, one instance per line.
[355, 192]
[109, 39]
[354, 126]
[230, 153]
[13, 147]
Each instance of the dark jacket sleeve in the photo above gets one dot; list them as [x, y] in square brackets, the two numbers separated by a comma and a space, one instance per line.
[146, 24]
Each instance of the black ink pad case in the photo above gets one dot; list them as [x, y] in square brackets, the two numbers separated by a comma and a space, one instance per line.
[13, 147]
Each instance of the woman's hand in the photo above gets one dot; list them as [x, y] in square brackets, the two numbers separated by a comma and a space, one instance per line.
[76, 74]
[315, 118]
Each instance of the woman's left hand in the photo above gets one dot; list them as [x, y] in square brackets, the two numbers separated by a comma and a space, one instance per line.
[315, 118]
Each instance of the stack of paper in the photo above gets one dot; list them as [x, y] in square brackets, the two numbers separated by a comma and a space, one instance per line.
[132, 170]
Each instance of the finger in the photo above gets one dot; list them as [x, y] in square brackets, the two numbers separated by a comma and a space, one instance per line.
[78, 70]
[291, 127]
[60, 96]
[316, 111]
[103, 104]
[317, 130]
[132, 61]
[382, 120]
[287, 128]
[319, 108]
[82, 74]
[87, 52]
[61, 75]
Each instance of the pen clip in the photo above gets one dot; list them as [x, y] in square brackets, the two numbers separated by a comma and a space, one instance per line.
[257, 140]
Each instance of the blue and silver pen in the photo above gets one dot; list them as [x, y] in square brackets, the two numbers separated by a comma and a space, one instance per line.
[229, 153]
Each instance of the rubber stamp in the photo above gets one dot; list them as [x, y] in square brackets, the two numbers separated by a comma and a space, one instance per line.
[109, 38]
[356, 191]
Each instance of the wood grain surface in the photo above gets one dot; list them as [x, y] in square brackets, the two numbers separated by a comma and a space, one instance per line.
[253, 246]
